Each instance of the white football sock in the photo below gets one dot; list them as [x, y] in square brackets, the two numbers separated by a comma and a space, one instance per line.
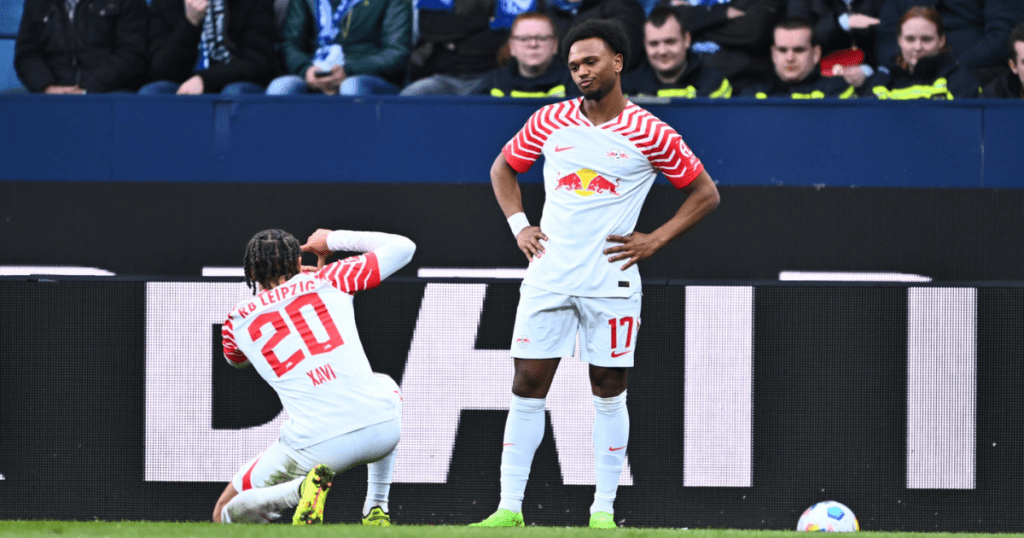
[611, 433]
[262, 505]
[524, 430]
[378, 482]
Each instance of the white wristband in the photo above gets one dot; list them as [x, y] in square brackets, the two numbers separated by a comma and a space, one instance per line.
[517, 222]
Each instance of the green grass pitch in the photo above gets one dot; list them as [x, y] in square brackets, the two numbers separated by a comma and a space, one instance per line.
[133, 529]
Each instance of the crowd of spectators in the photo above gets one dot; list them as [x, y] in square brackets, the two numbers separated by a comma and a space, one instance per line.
[796, 49]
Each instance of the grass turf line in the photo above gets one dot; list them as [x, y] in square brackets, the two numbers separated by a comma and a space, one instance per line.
[145, 529]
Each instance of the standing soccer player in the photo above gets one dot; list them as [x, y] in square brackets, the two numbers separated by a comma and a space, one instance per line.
[601, 154]
[299, 332]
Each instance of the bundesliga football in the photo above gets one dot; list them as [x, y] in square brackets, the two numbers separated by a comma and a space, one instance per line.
[828, 516]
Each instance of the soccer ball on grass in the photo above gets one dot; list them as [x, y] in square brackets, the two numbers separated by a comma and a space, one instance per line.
[828, 516]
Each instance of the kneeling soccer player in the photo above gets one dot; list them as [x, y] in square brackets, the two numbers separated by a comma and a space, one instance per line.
[299, 332]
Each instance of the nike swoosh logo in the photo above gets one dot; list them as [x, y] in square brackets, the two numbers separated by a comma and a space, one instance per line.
[614, 449]
[508, 444]
[617, 354]
[557, 149]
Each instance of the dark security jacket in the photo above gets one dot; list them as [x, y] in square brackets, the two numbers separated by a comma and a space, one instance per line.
[508, 82]
[824, 15]
[814, 86]
[103, 50]
[460, 42]
[976, 30]
[698, 80]
[251, 35]
[1005, 86]
[934, 77]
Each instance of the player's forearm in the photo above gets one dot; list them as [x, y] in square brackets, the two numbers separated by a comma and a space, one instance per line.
[392, 251]
[505, 182]
[700, 202]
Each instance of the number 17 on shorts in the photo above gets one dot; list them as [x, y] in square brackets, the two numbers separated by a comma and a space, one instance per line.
[547, 324]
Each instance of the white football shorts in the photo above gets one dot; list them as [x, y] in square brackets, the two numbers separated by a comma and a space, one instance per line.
[280, 463]
[547, 324]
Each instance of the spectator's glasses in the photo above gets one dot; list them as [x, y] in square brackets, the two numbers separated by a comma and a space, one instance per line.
[528, 39]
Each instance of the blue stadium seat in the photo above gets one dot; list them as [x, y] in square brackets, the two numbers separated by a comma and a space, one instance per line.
[8, 79]
[10, 17]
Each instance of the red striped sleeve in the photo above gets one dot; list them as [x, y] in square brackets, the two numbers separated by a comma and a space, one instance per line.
[525, 148]
[231, 351]
[356, 273]
[661, 144]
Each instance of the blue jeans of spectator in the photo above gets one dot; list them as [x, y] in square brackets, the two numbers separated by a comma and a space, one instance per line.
[164, 87]
[445, 85]
[353, 85]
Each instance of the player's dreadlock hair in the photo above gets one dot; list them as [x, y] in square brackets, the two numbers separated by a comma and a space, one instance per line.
[611, 31]
[269, 255]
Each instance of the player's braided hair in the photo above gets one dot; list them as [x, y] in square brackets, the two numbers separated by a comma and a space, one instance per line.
[270, 254]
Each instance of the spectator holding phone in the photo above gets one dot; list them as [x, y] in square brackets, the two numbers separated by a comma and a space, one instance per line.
[344, 47]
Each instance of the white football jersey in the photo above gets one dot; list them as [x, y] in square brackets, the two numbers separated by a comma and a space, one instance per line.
[301, 337]
[596, 178]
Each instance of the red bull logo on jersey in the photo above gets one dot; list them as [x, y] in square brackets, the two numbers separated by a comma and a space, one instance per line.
[586, 182]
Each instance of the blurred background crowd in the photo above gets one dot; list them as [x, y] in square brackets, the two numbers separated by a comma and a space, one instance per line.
[758, 49]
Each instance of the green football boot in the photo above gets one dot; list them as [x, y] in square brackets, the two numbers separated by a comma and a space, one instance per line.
[312, 496]
[377, 518]
[602, 520]
[502, 518]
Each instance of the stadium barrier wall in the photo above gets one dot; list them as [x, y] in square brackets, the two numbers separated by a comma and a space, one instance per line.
[177, 229]
[748, 404]
[412, 140]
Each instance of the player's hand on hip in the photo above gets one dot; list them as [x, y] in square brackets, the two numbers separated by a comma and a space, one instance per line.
[317, 243]
[634, 247]
[529, 240]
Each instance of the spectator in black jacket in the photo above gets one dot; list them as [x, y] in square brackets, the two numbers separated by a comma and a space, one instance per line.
[530, 69]
[733, 36]
[976, 30]
[1010, 84]
[671, 70]
[458, 45]
[843, 25]
[796, 54]
[568, 13]
[79, 46]
[924, 69]
[190, 55]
